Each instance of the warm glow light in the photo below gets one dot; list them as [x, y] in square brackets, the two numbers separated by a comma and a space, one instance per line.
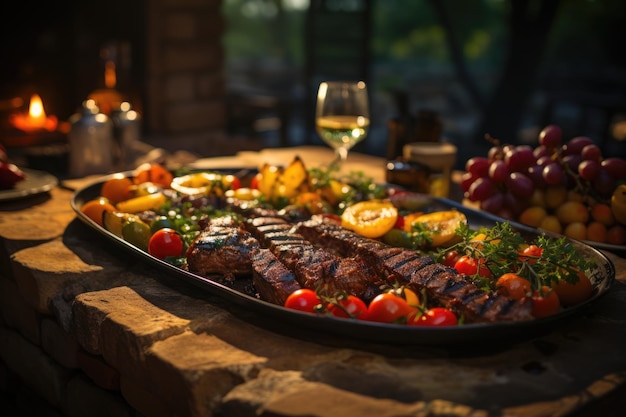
[110, 77]
[36, 118]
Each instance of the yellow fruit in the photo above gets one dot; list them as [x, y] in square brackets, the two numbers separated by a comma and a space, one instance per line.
[576, 230]
[533, 216]
[618, 204]
[596, 232]
[602, 213]
[572, 212]
[555, 196]
[551, 224]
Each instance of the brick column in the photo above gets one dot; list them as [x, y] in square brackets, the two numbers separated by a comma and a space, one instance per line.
[185, 83]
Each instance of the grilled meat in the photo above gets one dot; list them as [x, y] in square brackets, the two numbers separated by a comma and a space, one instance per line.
[273, 281]
[455, 291]
[314, 266]
[442, 284]
[222, 249]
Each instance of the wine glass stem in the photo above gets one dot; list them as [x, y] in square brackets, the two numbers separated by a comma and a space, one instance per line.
[341, 154]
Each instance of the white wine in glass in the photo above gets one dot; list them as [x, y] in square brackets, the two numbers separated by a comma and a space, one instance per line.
[342, 117]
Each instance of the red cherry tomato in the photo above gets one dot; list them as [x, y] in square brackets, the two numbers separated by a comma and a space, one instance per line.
[436, 316]
[450, 258]
[303, 299]
[349, 307]
[165, 242]
[399, 223]
[389, 308]
[470, 266]
[233, 182]
[513, 286]
[530, 254]
[545, 302]
[254, 183]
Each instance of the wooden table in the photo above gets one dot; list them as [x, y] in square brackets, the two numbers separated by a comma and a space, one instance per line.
[93, 331]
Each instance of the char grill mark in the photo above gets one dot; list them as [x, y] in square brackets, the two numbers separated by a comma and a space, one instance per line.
[391, 263]
[224, 250]
[316, 267]
[443, 284]
[273, 281]
[457, 292]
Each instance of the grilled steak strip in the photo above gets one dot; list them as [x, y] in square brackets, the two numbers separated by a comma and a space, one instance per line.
[455, 291]
[315, 267]
[272, 280]
[222, 249]
[443, 285]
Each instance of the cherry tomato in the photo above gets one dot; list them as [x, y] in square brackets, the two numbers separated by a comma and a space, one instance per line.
[573, 293]
[349, 307]
[154, 173]
[470, 266]
[303, 299]
[254, 183]
[513, 286]
[530, 254]
[399, 223]
[436, 316]
[165, 242]
[450, 258]
[389, 308]
[232, 182]
[545, 302]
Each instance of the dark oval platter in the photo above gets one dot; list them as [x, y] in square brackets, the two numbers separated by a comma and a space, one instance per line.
[602, 277]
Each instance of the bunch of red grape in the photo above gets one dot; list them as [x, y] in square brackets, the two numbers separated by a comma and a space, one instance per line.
[512, 178]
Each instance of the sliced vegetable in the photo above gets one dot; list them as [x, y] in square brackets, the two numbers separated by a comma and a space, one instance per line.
[371, 218]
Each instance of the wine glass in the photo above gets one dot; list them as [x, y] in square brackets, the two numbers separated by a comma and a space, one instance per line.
[342, 117]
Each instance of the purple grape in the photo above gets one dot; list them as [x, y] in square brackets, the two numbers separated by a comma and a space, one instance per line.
[544, 160]
[553, 174]
[520, 185]
[589, 169]
[478, 165]
[493, 203]
[575, 146]
[480, 189]
[535, 174]
[551, 136]
[466, 180]
[519, 158]
[591, 152]
[572, 162]
[498, 171]
[604, 184]
[514, 204]
[616, 167]
[541, 151]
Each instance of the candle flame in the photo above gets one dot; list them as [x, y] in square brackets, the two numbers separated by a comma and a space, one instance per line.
[35, 109]
[36, 118]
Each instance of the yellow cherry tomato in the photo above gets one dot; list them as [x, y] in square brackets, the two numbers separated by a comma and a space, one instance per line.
[372, 218]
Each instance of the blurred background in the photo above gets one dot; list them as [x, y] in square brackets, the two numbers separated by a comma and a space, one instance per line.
[217, 76]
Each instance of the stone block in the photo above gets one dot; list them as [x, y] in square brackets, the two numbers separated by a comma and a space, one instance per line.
[206, 114]
[17, 313]
[101, 373]
[180, 87]
[38, 370]
[86, 399]
[59, 344]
